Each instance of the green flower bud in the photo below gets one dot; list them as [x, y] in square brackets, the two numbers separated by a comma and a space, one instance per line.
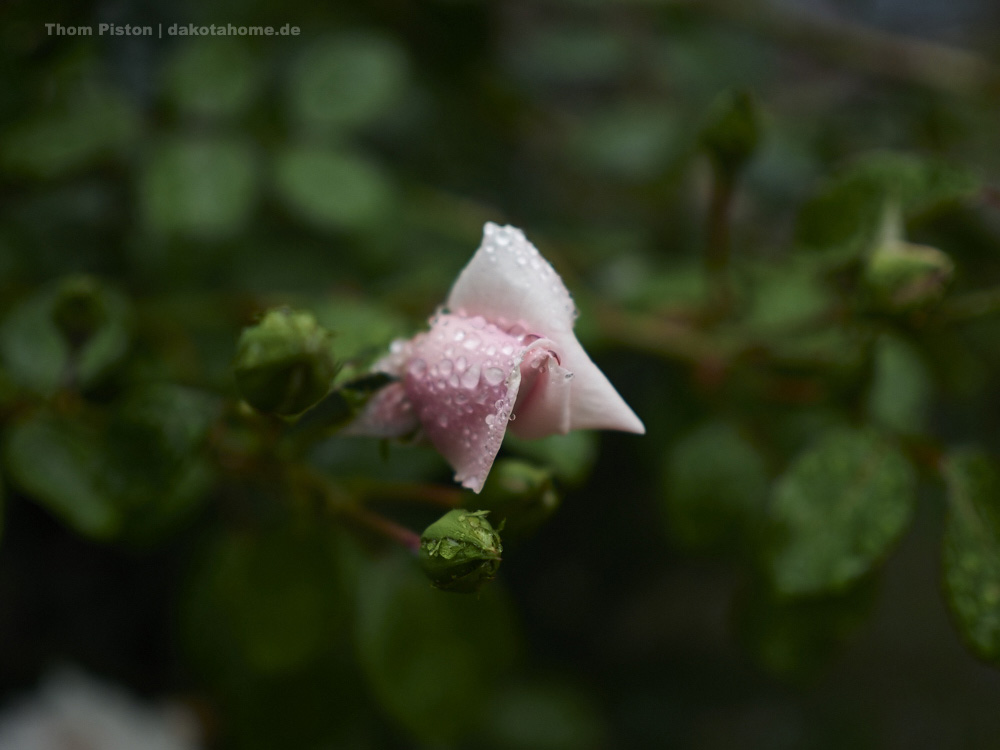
[519, 495]
[78, 309]
[284, 364]
[903, 275]
[460, 551]
[732, 131]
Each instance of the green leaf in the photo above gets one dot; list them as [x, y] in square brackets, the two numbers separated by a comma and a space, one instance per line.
[153, 463]
[347, 80]
[715, 489]
[55, 461]
[971, 552]
[96, 123]
[837, 510]
[36, 354]
[901, 388]
[199, 187]
[265, 603]
[213, 77]
[432, 659]
[845, 215]
[635, 140]
[332, 189]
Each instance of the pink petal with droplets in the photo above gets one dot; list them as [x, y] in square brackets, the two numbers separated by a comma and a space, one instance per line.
[388, 414]
[463, 386]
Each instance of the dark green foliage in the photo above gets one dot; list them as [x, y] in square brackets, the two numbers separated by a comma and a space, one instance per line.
[972, 549]
[837, 510]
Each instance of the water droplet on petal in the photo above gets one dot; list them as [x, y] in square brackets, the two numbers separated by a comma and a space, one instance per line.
[472, 343]
[471, 377]
[507, 349]
[445, 366]
[490, 419]
[493, 375]
[461, 363]
[417, 368]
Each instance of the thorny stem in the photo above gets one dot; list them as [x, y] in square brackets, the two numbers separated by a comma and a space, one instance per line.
[381, 525]
[717, 240]
[431, 494]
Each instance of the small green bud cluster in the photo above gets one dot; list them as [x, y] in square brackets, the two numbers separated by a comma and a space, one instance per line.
[460, 551]
[284, 364]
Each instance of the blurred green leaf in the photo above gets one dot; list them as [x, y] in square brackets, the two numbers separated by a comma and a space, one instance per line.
[567, 54]
[901, 387]
[570, 457]
[845, 215]
[96, 123]
[154, 465]
[796, 638]
[715, 489]
[36, 353]
[837, 510]
[265, 603]
[435, 668]
[347, 80]
[198, 186]
[55, 461]
[971, 553]
[362, 330]
[785, 294]
[213, 77]
[544, 715]
[635, 140]
[333, 189]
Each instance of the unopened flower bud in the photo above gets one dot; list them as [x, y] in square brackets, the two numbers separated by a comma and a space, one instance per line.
[79, 310]
[732, 131]
[460, 551]
[519, 495]
[284, 364]
[904, 275]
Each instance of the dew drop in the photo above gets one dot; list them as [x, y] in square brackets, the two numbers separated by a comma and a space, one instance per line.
[445, 367]
[521, 260]
[417, 368]
[453, 381]
[442, 421]
[471, 377]
[491, 350]
[461, 363]
[490, 419]
[507, 349]
[471, 343]
[493, 375]
[459, 334]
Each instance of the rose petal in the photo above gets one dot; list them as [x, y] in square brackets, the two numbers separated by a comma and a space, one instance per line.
[388, 414]
[508, 281]
[462, 380]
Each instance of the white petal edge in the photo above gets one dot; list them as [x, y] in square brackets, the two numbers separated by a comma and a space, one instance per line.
[509, 280]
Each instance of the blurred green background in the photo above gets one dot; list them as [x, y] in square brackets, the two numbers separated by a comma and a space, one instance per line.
[694, 590]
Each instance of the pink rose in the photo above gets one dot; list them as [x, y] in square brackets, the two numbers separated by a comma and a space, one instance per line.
[500, 355]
